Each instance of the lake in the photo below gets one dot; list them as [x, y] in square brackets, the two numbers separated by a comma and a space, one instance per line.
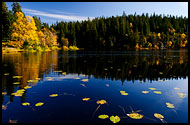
[58, 86]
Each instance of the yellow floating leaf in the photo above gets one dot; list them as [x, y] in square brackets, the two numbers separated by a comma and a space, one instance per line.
[86, 99]
[145, 92]
[169, 105]
[105, 69]
[53, 95]
[17, 77]
[49, 79]
[77, 78]
[18, 94]
[160, 80]
[176, 88]
[16, 83]
[181, 95]
[115, 119]
[57, 71]
[3, 93]
[6, 74]
[25, 103]
[4, 107]
[135, 115]
[64, 73]
[103, 116]
[101, 102]
[152, 88]
[37, 78]
[159, 116]
[166, 80]
[123, 93]
[27, 87]
[13, 121]
[84, 80]
[32, 81]
[82, 75]
[158, 92]
[39, 104]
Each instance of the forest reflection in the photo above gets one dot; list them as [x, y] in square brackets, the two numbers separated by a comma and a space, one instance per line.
[132, 66]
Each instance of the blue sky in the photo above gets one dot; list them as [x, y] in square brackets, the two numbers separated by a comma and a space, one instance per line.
[50, 12]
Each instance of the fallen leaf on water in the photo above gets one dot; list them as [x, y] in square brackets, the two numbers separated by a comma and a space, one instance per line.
[32, 81]
[53, 95]
[169, 105]
[103, 116]
[101, 102]
[176, 88]
[3, 93]
[107, 85]
[158, 92]
[6, 74]
[181, 95]
[86, 99]
[123, 93]
[166, 80]
[57, 71]
[13, 121]
[160, 80]
[77, 78]
[160, 73]
[135, 115]
[49, 79]
[64, 73]
[84, 80]
[115, 119]
[27, 87]
[83, 85]
[82, 75]
[145, 92]
[159, 116]
[17, 77]
[37, 78]
[4, 107]
[39, 104]
[152, 88]
[25, 103]
[16, 83]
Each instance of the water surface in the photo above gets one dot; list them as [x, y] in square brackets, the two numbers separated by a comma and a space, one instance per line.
[108, 73]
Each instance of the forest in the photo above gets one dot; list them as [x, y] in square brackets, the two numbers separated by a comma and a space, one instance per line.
[125, 32]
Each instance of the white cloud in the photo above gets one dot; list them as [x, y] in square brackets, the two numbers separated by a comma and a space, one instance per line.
[57, 16]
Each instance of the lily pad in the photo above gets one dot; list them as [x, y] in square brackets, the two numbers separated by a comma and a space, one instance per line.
[115, 119]
[152, 88]
[145, 92]
[101, 102]
[39, 104]
[135, 115]
[53, 95]
[25, 103]
[86, 99]
[158, 92]
[103, 116]
[159, 116]
[84, 80]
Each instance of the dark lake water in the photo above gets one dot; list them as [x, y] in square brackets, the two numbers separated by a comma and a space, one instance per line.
[74, 76]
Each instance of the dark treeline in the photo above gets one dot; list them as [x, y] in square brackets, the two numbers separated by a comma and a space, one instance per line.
[124, 31]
